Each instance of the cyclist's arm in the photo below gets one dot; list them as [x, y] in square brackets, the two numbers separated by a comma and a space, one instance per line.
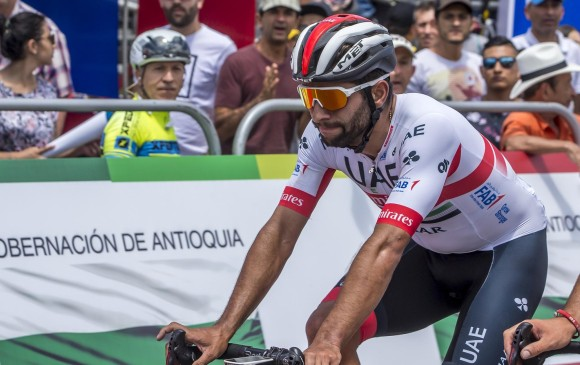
[262, 266]
[366, 281]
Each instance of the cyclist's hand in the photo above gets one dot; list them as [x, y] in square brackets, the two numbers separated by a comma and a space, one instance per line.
[552, 334]
[210, 340]
[322, 354]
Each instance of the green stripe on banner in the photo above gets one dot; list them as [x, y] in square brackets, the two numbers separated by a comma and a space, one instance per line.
[183, 168]
[130, 346]
[53, 170]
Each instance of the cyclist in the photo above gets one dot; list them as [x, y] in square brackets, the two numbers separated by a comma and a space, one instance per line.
[458, 231]
[554, 333]
[158, 58]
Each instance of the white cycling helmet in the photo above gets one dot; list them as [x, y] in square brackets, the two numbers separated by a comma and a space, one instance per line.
[159, 45]
[342, 47]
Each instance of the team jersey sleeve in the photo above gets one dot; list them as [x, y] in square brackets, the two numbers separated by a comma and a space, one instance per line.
[120, 135]
[310, 176]
[426, 160]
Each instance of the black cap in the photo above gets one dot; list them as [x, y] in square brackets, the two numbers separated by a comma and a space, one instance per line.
[442, 4]
[316, 7]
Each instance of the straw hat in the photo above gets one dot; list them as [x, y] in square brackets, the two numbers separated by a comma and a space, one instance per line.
[538, 63]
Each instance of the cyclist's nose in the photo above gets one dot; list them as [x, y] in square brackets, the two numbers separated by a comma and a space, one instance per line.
[318, 113]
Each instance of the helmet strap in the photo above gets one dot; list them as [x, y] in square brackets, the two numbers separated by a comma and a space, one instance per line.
[374, 117]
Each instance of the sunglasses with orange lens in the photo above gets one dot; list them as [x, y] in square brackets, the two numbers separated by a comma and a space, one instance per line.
[331, 98]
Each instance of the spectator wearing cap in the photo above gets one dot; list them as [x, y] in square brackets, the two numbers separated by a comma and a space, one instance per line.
[312, 12]
[259, 72]
[500, 72]
[209, 50]
[424, 25]
[545, 77]
[544, 17]
[404, 69]
[446, 71]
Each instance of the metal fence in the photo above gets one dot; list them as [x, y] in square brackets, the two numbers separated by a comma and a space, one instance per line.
[254, 114]
[90, 105]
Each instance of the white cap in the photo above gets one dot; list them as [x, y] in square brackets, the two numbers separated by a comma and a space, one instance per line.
[266, 5]
[400, 41]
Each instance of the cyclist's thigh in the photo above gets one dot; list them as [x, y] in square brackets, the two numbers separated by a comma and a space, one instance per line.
[510, 294]
[414, 298]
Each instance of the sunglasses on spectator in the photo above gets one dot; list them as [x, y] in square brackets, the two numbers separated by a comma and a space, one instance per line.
[51, 37]
[331, 98]
[505, 62]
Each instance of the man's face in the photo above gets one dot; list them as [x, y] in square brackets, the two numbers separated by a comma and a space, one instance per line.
[454, 23]
[403, 71]
[343, 127]
[277, 23]
[500, 77]
[426, 28]
[545, 17]
[162, 80]
[562, 92]
[181, 13]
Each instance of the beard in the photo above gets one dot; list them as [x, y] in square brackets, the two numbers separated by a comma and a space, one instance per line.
[353, 131]
[185, 20]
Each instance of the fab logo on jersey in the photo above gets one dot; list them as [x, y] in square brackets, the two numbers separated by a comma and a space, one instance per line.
[486, 196]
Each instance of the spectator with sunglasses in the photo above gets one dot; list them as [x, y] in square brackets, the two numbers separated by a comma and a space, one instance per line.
[545, 17]
[500, 72]
[545, 77]
[28, 42]
[58, 71]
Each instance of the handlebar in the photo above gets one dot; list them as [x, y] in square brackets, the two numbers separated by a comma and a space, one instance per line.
[524, 337]
[178, 352]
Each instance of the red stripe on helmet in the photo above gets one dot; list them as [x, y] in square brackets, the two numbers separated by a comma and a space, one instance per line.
[318, 31]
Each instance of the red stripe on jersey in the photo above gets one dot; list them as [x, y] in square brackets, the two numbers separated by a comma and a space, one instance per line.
[473, 180]
[500, 161]
[455, 162]
[319, 31]
[400, 216]
[297, 200]
[324, 183]
[302, 202]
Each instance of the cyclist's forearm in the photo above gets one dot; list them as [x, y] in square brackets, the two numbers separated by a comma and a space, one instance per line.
[262, 266]
[365, 284]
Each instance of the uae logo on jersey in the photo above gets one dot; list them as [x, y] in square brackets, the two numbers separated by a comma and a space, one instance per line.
[412, 157]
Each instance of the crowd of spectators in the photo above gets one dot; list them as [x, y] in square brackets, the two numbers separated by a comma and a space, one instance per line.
[441, 51]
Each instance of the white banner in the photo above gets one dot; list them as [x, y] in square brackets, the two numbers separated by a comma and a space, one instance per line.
[102, 256]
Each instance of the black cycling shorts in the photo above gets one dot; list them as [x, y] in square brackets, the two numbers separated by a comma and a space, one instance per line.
[491, 291]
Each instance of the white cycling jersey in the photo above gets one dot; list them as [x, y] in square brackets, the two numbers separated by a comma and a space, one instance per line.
[435, 177]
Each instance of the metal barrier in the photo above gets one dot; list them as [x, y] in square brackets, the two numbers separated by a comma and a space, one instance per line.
[252, 116]
[90, 105]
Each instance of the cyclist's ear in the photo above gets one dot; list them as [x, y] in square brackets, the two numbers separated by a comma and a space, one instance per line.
[380, 92]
